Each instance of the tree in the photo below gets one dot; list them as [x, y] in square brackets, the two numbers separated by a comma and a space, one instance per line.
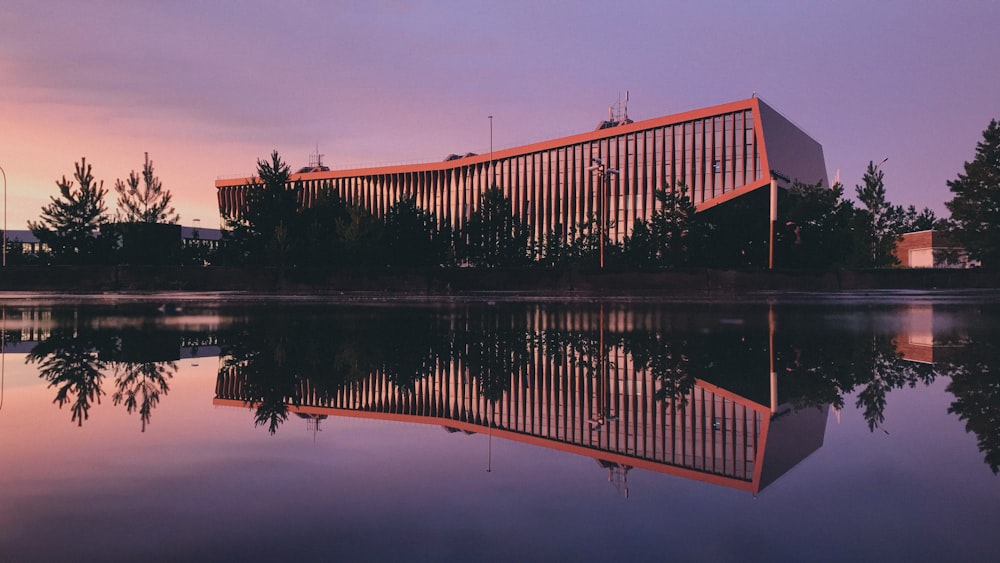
[913, 220]
[359, 236]
[581, 245]
[639, 247]
[411, 236]
[816, 227]
[70, 225]
[674, 226]
[320, 244]
[879, 219]
[493, 235]
[975, 207]
[262, 231]
[148, 204]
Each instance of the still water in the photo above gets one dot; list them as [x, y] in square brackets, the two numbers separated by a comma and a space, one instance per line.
[214, 427]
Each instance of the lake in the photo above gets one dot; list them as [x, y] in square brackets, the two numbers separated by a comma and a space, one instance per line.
[211, 427]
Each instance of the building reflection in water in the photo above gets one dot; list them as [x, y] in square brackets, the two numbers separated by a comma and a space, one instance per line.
[588, 388]
[729, 394]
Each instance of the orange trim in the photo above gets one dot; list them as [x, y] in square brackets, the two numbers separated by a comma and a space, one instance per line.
[759, 143]
[752, 486]
[590, 136]
[730, 195]
[758, 462]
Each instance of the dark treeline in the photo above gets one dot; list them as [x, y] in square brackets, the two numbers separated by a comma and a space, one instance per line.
[284, 357]
[818, 229]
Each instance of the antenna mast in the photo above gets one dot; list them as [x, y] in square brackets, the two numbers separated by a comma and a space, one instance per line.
[619, 111]
[316, 159]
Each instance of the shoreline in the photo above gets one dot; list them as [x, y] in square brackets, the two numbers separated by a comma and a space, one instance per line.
[564, 284]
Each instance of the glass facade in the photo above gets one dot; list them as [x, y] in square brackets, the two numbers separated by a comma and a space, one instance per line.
[715, 153]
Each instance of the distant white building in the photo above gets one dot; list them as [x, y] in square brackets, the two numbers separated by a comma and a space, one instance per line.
[931, 249]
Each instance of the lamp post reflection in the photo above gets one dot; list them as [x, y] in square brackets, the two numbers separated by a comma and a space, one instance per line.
[3, 350]
[603, 387]
[489, 442]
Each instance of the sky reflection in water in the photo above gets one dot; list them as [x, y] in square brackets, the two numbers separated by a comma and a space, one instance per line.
[463, 431]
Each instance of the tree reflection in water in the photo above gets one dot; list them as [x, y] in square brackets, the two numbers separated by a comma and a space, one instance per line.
[817, 364]
[975, 384]
[75, 358]
[69, 362]
[139, 386]
[285, 357]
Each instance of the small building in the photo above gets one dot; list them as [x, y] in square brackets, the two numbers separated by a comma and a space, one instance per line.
[198, 237]
[931, 249]
[28, 242]
[137, 240]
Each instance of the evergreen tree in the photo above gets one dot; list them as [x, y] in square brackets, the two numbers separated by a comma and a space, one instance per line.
[879, 220]
[975, 207]
[676, 230]
[581, 245]
[359, 235]
[263, 231]
[913, 220]
[70, 225]
[494, 236]
[149, 203]
[817, 227]
[320, 244]
[411, 236]
[640, 248]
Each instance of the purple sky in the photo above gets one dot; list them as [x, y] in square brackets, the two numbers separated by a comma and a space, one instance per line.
[207, 88]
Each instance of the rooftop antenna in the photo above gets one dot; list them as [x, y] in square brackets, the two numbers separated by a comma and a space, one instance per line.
[619, 111]
[316, 159]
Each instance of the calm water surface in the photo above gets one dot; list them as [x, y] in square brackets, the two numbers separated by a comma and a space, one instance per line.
[213, 428]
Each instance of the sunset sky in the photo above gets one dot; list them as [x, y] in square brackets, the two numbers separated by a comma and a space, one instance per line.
[207, 88]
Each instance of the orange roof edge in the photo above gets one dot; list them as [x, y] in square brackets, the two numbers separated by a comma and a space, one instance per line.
[589, 136]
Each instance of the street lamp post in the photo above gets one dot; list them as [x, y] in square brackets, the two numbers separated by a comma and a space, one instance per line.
[603, 179]
[4, 216]
[492, 179]
[875, 237]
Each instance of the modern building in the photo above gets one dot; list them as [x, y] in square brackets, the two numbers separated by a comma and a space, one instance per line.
[718, 153]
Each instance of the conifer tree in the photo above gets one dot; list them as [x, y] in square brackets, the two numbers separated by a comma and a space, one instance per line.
[677, 231]
[880, 220]
[494, 236]
[263, 231]
[975, 207]
[148, 203]
[70, 225]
